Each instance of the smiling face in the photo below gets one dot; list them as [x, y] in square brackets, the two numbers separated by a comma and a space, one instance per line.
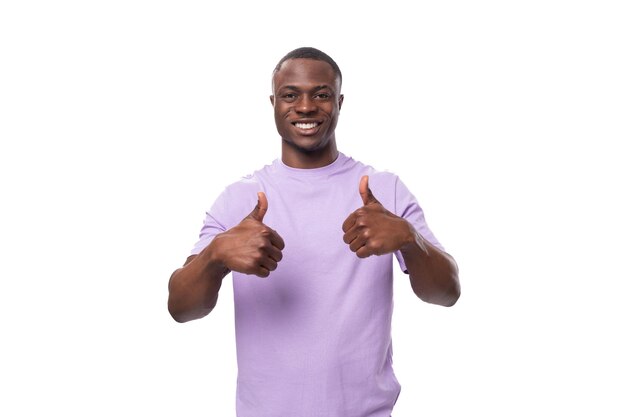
[306, 103]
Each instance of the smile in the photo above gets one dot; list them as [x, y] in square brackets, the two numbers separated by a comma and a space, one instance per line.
[306, 126]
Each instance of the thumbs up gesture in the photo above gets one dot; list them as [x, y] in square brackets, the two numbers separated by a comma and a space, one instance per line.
[372, 229]
[251, 247]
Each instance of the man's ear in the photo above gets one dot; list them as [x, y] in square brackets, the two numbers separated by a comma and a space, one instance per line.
[272, 99]
[340, 100]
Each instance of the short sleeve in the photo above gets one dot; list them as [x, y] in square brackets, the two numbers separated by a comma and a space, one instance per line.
[232, 205]
[214, 223]
[408, 208]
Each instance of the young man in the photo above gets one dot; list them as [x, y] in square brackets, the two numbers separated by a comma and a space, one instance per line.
[313, 304]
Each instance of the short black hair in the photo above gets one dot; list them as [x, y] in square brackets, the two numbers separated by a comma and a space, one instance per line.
[310, 53]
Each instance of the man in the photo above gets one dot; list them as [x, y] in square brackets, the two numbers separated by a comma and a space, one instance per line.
[309, 240]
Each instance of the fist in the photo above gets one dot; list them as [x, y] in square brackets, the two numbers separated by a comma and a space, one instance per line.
[372, 229]
[251, 247]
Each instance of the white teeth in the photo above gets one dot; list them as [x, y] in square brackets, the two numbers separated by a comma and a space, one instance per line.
[306, 125]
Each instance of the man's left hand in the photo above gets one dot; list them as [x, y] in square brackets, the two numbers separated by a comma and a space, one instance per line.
[372, 229]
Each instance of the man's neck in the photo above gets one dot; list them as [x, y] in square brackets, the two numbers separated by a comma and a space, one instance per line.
[297, 158]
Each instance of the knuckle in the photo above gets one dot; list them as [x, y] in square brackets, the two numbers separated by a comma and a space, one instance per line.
[360, 212]
[249, 266]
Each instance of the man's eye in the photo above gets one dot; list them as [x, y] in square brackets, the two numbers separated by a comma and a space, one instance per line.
[323, 96]
[289, 96]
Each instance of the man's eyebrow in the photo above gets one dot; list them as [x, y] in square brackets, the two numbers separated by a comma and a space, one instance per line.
[322, 87]
[316, 88]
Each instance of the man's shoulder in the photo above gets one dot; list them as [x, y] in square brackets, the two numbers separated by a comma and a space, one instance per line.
[243, 184]
[383, 177]
[248, 182]
[238, 198]
[383, 183]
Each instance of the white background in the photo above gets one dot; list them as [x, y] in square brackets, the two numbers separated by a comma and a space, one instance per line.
[121, 121]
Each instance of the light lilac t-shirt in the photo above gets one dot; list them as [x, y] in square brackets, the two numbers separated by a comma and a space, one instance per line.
[314, 338]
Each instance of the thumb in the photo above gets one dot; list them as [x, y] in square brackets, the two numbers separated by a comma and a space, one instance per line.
[366, 193]
[261, 208]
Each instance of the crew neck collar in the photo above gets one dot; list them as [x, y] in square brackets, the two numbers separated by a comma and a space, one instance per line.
[313, 172]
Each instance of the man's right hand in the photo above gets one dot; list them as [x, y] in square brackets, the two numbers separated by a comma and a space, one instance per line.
[251, 247]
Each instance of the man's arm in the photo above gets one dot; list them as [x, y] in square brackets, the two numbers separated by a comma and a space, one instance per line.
[434, 274]
[250, 248]
[373, 230]
[193, 288]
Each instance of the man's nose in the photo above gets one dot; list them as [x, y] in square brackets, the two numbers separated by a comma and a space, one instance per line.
[306, 105]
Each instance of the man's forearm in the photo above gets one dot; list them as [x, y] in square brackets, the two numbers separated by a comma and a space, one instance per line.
[433, 273]
[193, 289]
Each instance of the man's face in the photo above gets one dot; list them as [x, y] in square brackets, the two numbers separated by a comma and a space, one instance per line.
[306, 103]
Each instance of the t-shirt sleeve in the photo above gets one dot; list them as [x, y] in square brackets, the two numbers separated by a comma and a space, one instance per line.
[408, 208]
[214, 223]
[232, 205]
